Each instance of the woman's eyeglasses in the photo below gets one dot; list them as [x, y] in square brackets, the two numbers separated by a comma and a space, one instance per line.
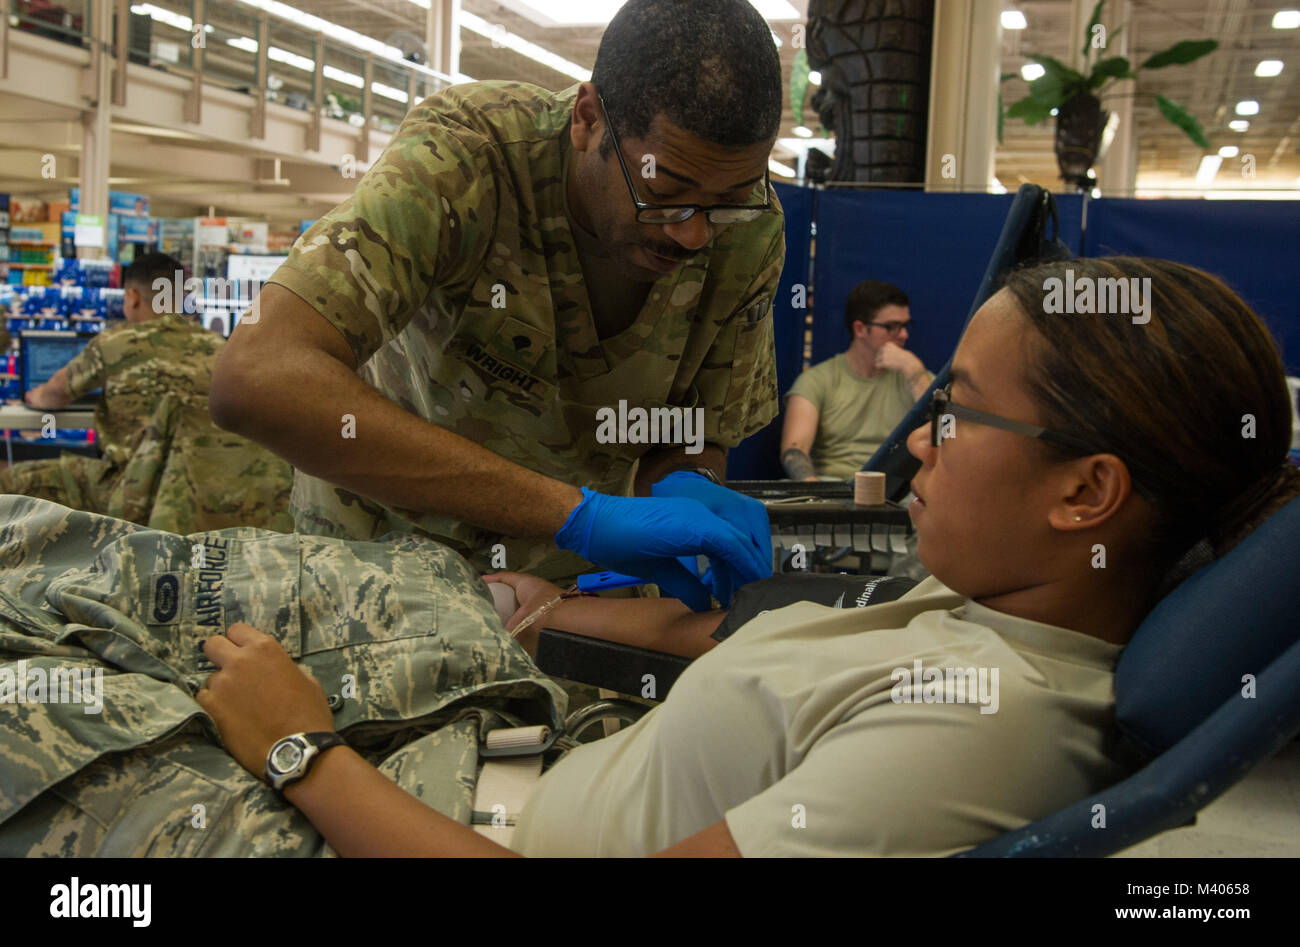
[943, 408]
[676, 213]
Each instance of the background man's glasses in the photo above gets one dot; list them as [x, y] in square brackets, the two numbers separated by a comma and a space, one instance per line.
[893, 328]
[676, 213]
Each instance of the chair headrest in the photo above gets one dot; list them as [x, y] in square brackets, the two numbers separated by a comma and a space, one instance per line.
[1230, 619]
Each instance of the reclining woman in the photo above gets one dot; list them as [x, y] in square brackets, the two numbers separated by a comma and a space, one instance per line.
[1073, 463]
[797, 736]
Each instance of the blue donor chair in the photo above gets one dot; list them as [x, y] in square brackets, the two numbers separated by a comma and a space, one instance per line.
[1208, 687]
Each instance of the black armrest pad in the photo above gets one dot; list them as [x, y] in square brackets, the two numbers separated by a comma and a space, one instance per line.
[618, 667]
[837, 591]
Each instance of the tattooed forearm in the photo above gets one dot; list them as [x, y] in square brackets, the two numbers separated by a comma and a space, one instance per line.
[797, 464]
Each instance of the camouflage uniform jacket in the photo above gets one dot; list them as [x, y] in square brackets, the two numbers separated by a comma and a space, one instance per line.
[403, 633]
[453, 274]
[170, 467]
[138, 364]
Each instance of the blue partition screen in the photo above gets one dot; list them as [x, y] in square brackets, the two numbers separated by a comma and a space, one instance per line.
[936, 247]
[758, 456]
[932, 246]
[1250, 245]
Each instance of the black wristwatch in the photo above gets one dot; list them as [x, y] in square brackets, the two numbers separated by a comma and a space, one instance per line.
[291, 757]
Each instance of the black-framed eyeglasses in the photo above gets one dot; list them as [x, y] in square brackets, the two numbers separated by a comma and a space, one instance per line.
[675, 213]
[893, 328]
[942, 406]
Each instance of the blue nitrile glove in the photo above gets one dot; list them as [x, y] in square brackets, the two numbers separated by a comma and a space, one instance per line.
[643, 536]
[745, 513]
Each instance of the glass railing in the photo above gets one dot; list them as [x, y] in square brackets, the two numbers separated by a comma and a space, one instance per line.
[67, 22]
[162, 35]
[390, 96]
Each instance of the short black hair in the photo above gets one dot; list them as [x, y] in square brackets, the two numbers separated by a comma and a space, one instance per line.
[149, 267]
[710, 66]
[868, 298]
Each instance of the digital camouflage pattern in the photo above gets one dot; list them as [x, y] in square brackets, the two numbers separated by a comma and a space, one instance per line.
[453, 274]
[402, 632]
[165, 463]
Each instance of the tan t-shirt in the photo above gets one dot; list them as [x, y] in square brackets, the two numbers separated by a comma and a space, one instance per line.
[855, 414]
[797, 731]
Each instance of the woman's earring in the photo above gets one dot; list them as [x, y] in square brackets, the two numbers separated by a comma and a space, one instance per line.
[1078, 519]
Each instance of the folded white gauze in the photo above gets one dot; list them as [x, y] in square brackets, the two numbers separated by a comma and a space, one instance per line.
[503, 597]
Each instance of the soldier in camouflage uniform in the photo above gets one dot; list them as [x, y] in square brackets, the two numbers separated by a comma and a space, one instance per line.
[164, 463]
[491, 278]
[402, 634]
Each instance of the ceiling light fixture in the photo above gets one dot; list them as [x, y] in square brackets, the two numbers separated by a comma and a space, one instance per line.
[502, 37]
[176, 20]
[552, 13]
[331, 30]
[1208, 169]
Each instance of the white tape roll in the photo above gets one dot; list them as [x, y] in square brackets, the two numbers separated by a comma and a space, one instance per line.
[503, 597]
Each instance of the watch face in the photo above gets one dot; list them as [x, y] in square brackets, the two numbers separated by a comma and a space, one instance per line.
[286, 756]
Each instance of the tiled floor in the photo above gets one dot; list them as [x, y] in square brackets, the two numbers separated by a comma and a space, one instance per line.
[1260, 816]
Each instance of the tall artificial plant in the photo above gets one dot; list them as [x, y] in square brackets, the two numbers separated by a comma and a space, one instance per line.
[1060, 84]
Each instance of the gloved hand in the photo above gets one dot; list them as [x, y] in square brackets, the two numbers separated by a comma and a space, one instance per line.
[642, 536]
[745, 513]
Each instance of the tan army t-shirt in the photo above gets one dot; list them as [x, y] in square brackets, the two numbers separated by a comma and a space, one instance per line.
[795, 731]
[855, 414]
[454, 274]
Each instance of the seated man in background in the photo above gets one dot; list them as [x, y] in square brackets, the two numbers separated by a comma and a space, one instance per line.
[164, 463]
[838, 413]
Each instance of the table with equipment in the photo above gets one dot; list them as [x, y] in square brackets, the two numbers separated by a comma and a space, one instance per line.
[17, 417]
[822, 514]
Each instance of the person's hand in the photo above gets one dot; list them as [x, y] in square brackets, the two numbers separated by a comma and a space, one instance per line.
[36, 398]
[643, 536]
[745, 513]
[258, 695]
[531, 592]
[894, 358]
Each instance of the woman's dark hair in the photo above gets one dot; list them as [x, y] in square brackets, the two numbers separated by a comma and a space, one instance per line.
[1194, 400]
[710, 66]
[868, 298]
